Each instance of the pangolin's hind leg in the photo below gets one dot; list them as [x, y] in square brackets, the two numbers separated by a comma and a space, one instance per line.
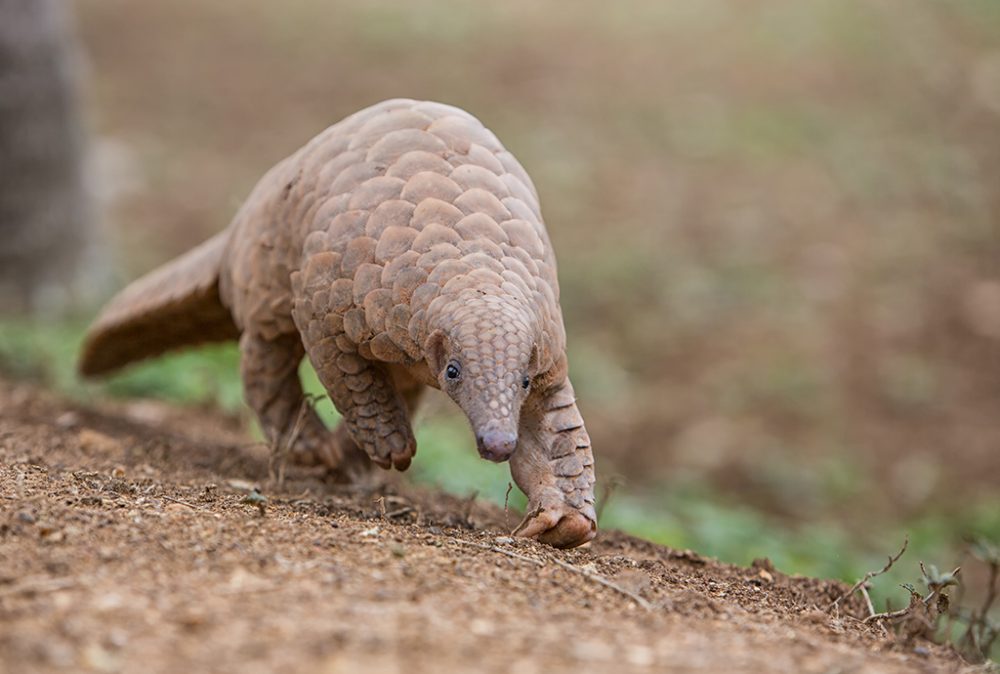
[273, 391]
[353, 462]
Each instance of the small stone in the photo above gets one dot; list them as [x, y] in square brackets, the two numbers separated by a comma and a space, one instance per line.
[640, 656]
[482, 628]
[68, 420]
[92, 441]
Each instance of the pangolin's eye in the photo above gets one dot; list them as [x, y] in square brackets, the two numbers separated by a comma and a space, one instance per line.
[453, 371]
[525, 383]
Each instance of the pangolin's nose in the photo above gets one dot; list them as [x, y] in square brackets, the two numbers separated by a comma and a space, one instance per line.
[496, 445]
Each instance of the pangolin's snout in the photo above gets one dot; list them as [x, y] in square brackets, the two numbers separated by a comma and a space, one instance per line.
[496, 445]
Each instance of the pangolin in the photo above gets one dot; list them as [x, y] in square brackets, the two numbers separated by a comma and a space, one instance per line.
[401, 248]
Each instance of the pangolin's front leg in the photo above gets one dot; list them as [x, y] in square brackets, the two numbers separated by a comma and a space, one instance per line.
[270, 370]
[375, 411]
[554, 466]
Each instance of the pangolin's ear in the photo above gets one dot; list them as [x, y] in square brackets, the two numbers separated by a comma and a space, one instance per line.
[533, 365]
[436, 348]
[555, 375]
[541, 355]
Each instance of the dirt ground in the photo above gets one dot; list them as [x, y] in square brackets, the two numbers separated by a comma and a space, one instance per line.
[128, 543]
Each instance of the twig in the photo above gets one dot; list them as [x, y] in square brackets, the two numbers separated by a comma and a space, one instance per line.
[506, 512]
[38, 586]
[528, 516]
[980, 632]
[610, 487]
[601, 580]
[888, 615]
[991, 590]
[399, 512]
[595, 577]
[502, 551]
[915, 598]
[868, 576]
[868, 600]
[284, 445]
[470, 502]
[236, 591]
[184, 503]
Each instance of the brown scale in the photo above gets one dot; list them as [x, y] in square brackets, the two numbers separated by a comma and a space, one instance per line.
[401, 248]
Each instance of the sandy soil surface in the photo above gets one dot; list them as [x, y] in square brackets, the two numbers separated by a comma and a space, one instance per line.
[128, 543]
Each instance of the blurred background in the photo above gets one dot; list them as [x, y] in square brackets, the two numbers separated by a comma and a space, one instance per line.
[778, 230]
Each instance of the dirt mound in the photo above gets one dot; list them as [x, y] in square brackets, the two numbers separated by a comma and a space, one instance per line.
[131, 540]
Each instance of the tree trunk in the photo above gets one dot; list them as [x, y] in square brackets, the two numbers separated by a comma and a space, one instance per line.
[45, 212]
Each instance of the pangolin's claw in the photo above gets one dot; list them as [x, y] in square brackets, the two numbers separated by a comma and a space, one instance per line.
[394, 451]
[561, 526]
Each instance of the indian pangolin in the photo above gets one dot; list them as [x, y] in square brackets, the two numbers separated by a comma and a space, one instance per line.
[401, 248]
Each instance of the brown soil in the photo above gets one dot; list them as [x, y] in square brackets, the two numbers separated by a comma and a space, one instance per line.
[127, 543]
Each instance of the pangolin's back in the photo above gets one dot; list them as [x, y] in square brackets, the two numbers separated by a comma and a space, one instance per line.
[380, 215]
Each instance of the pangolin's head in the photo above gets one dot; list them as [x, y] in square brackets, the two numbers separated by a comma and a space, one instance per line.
[484, 354]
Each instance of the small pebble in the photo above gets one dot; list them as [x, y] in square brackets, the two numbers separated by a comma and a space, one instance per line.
[639, 656]
[68, 420]
[97, 442]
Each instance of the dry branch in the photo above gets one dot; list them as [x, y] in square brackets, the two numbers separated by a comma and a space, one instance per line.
[589, 575]
[506, 510]
[868, 576]
[38, 586]
[936, 584]
[281, 449]
[889, 615]
[193, 506]
[502, 551]
[597, 578]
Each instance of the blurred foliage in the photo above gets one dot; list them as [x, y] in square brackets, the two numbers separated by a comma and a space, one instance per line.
[48, 351]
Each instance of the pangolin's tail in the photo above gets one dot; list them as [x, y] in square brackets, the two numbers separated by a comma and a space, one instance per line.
[173, 306]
